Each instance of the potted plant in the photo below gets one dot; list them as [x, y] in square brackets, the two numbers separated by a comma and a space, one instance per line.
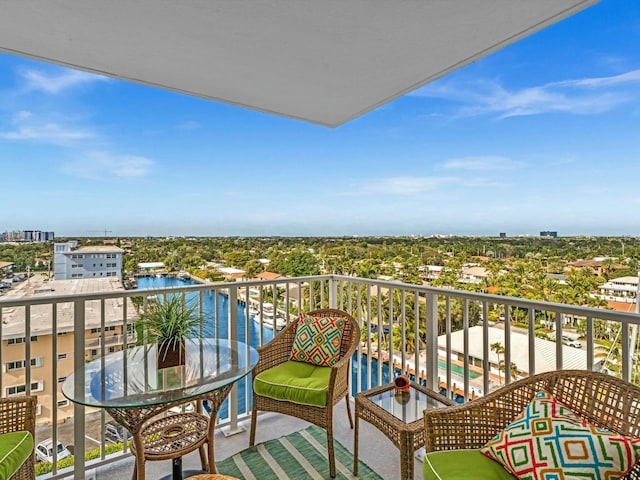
[169, 323]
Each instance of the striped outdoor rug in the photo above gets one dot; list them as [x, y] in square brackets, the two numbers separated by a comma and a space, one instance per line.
[299, 456]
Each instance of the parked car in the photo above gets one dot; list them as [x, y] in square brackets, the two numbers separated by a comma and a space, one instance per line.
[44, 451]
[115, 433]
[4, 285]
[571, 342]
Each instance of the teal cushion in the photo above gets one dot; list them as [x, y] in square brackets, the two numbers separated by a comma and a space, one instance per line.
[462, 464]
[296, 382]
[15, 448]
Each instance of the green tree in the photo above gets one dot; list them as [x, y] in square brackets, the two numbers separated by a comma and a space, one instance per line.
[499, 349]
[296, 264]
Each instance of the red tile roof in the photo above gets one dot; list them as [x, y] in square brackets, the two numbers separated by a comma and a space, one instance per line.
[269, 276]
[622, 306]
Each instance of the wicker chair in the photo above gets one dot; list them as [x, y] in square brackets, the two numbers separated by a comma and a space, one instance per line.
[602, 400]
[18, 413]
[278, 351]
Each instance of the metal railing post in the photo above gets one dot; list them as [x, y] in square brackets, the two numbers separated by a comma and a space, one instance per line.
[79, 386]
[432, 341]
[233, 335]
[333, 293]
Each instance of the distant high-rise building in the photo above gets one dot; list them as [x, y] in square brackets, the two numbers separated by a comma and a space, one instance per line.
[548, 233]
[71, 262]
[27, 236]
[503, 235]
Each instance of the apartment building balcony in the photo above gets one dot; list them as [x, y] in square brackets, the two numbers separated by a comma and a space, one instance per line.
[436, 335]
[111, 341]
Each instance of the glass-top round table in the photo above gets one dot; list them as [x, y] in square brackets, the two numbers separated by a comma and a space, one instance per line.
[133, 390]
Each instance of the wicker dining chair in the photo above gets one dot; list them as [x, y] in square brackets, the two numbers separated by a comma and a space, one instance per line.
[278, 351]
[602, 400]
[17, 414]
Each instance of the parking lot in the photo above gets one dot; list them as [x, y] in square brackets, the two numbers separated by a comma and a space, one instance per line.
[93, 431]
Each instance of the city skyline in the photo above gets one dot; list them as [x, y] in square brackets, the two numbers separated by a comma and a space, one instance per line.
[541, 135]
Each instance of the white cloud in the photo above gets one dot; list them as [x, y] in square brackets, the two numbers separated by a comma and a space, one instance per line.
[56, 83]
[104, 165]
[22, 116]
[632, 77]
[481, 163]
[579, 97]
[189, 125]
[30, 127]
[406, 185]
[48, 132]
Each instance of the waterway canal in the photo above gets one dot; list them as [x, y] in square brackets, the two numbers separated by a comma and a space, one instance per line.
[213, 303]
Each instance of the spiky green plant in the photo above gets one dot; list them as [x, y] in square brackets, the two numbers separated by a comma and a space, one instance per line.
[171, 321]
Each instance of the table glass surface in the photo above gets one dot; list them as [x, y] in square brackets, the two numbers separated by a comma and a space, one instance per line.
[408, 406]
[130, 378]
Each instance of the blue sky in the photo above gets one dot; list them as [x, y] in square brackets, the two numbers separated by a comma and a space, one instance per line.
[542, 135]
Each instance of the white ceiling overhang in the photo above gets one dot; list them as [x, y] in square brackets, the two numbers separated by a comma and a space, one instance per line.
[323, 61]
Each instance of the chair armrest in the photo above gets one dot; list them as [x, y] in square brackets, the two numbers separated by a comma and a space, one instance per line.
[278, 350]
[473, 424]
[18, 413]
[461, 427]
[339, 379]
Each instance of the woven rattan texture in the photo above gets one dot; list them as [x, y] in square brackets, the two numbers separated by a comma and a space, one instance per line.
[603, 400]
[136, 421]
[174, 435]
[18, 414]
[278, 351]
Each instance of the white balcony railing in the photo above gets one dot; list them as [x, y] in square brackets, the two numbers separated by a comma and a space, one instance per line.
[436, 334]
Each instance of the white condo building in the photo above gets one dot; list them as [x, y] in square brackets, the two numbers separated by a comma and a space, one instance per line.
[72, 262]
[622, 289]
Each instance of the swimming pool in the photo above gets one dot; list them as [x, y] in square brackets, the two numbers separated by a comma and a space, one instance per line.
[457, 369]
[442, 365]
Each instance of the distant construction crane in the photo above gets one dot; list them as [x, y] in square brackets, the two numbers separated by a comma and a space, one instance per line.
[100, 231]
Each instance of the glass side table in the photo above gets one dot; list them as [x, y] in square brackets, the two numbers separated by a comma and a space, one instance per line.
[130, 387]
[399, 417]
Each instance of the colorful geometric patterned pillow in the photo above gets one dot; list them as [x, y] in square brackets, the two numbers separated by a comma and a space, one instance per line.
[550, 442]
[318, 340]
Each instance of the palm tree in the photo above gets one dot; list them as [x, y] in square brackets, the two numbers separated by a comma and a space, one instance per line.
[608, 264]
[611, 354]
[514, 371]
[498, 348]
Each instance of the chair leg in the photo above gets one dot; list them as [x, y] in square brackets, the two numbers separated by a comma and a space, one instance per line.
[349, 410]
[254, 420]
[203, 458]
[332, 456]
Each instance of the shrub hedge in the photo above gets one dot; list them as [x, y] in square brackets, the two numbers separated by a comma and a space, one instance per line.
[43, 468]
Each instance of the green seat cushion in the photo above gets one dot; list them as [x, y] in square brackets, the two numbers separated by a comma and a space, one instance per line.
[15, 448]
[296, 382]
[462, 464]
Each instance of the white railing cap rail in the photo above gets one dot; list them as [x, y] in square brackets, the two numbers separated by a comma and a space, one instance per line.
[624, 317]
